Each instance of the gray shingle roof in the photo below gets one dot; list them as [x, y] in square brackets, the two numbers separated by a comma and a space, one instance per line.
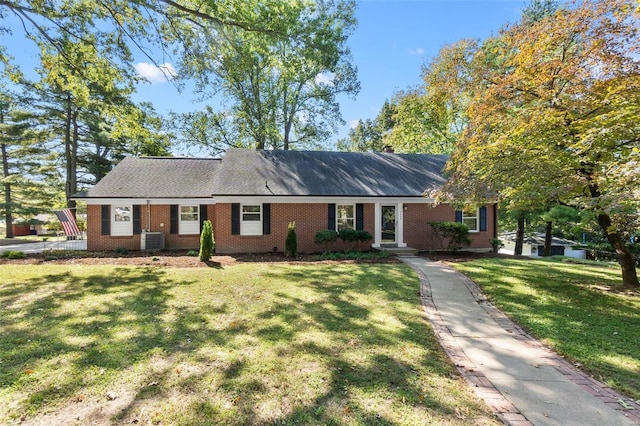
[244, 172]
[320, 173]
[157, 177]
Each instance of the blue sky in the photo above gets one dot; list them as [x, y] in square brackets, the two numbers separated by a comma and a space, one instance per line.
[392, 41]
[395, 38]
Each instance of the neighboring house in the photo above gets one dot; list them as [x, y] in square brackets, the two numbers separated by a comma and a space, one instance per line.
[533, 245]
[250, 196]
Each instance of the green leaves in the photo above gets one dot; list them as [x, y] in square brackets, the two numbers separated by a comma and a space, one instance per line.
[281, 87]
[550, 116]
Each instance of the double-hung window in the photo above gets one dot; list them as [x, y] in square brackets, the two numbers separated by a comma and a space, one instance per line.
[345, 216]
[189, 220]
[470, 217]
[121, 220]
[251, 219]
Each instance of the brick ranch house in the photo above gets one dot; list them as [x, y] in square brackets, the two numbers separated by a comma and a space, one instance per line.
[250, 196]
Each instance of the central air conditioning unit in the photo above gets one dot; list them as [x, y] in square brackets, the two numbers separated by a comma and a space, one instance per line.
[152, 241]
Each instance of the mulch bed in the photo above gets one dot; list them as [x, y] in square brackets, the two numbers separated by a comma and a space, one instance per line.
[466, 256]
[174, 259]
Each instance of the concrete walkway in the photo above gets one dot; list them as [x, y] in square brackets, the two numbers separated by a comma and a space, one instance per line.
[521, 380]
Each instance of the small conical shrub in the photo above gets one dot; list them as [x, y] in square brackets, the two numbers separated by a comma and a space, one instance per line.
[291, 243]
[207, 243]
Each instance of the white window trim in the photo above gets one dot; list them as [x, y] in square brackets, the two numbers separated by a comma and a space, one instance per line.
[250, 227]
[188, 227]
[476, 217]
[354, 215]
[120, 228]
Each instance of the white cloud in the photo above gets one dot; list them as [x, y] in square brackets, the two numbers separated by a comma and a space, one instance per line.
[156, 74]
[353, 124]
[416, 51]
[325, 78]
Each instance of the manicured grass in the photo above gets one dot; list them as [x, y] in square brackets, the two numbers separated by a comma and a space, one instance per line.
[579, 310]
[258, 343]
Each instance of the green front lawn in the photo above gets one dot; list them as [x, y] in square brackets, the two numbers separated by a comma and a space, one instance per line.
[577, 309]
[250, 343]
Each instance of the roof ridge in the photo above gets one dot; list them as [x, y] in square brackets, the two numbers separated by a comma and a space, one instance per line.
[162, 157]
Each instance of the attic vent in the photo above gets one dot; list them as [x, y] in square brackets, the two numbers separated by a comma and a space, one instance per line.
[151, 241]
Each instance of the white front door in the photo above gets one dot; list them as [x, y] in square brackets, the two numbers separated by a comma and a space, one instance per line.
[389, 224]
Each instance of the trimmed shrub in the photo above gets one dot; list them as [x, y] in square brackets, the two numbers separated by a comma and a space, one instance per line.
[327, 237]
[364, 236]
[349, 236]
[496, 244]
[354, 238]
[13, 254]
[452, 236]
[291, 242]
[207, 243]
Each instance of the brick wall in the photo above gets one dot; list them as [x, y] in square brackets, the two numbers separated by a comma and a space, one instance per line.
[309, 219]
[160, 222]
[417, 232]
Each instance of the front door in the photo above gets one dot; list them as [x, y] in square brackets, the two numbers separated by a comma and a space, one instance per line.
[388, 224]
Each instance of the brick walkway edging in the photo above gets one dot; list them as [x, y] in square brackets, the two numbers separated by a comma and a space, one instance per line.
[483, 388]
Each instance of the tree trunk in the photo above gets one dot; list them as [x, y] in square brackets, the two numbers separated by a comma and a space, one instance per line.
[8, 216]
[286, 137]
[71, 154]
[519, 236]
[547, 239]
[625, 258]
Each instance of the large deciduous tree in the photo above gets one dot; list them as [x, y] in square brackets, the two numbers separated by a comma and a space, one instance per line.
[119, 23]
[431, 119]
[279, 88]
[554, 116]
[369, 135]
[427, 119]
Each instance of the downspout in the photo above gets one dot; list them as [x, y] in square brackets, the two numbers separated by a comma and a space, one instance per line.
[495, 220]
[148, 217]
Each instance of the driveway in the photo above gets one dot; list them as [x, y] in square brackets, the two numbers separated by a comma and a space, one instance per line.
[40, 246]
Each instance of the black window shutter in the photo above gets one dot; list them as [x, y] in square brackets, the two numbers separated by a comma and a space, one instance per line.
[359, 217]
[235, 219]
[331, 224]
[173, 220]
[266, 219]
[459, 216]
[106, 219]
[203, 214]
[483, 218]
[137, 220]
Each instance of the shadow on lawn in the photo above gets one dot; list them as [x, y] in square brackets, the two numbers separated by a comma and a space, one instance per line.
[350, 328]
[83, 330]
[335, 312]
[577, 309]
[134, 318]
[42, 327]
